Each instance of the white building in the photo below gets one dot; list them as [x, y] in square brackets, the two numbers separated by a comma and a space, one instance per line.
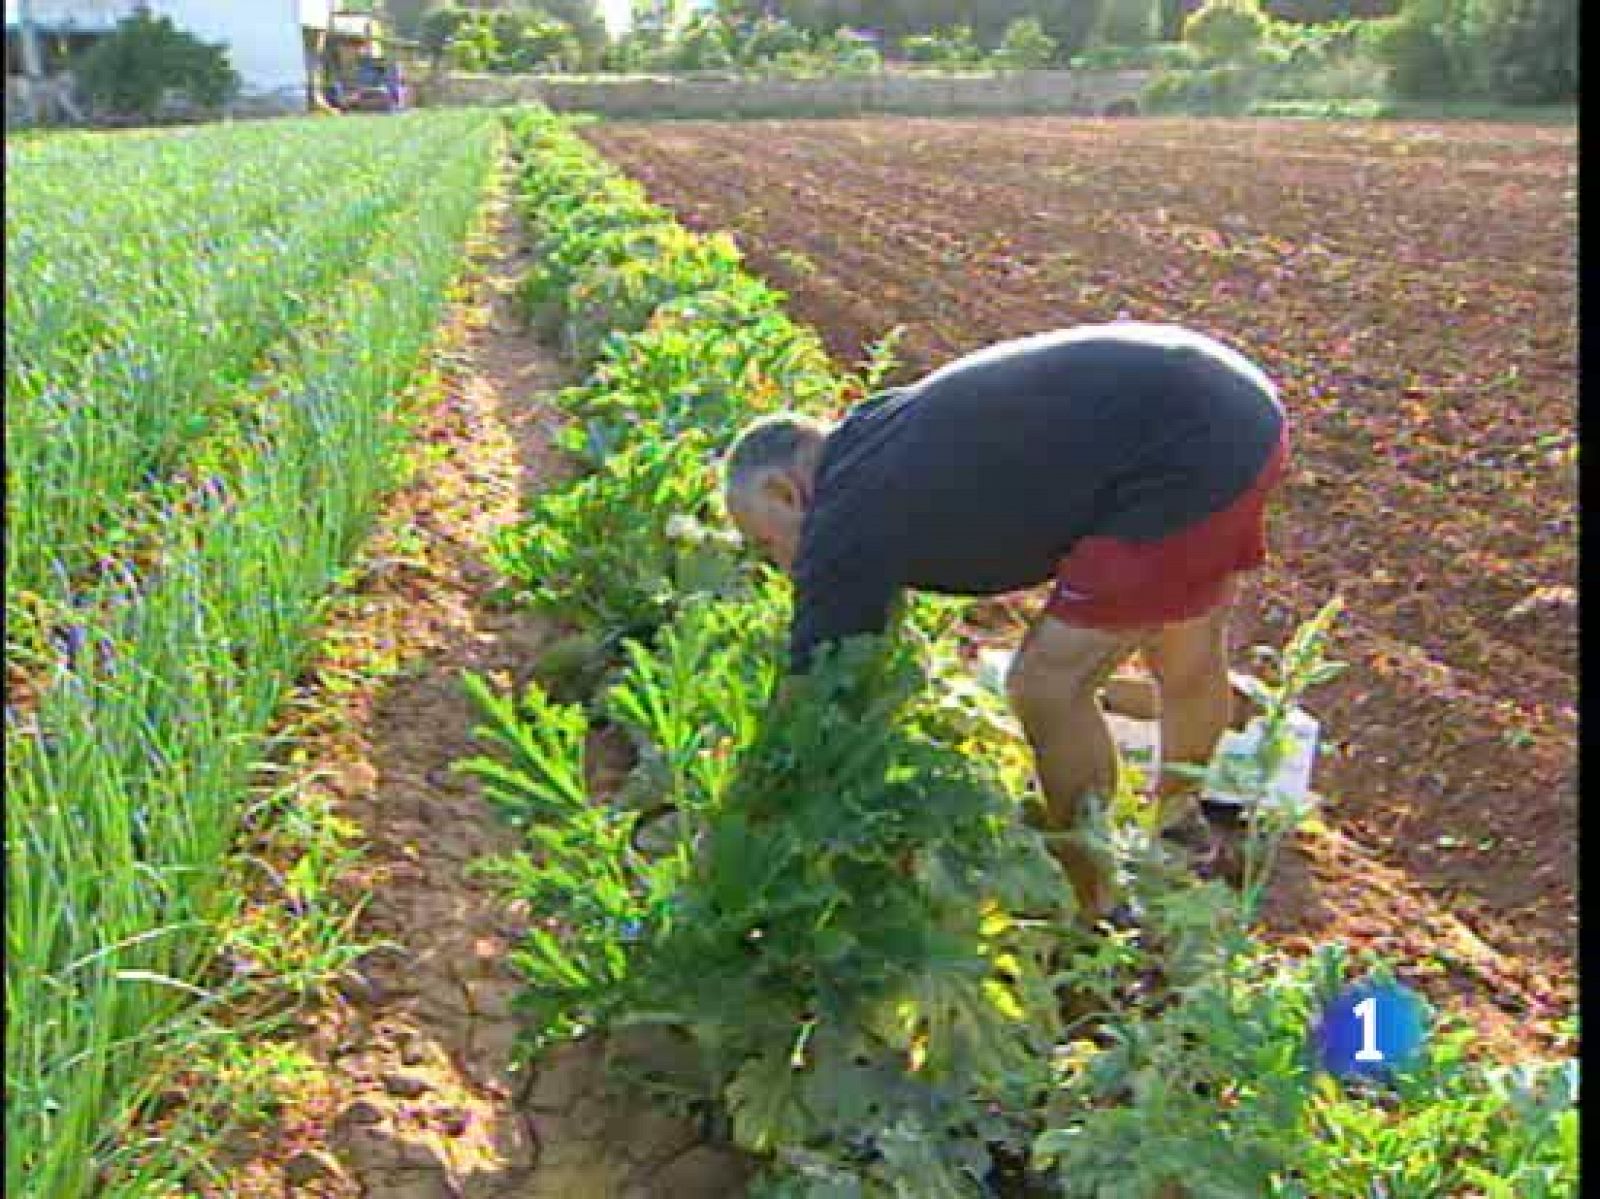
[272, 44]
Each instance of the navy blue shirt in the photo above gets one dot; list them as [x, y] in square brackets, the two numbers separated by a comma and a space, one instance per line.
[980, 477]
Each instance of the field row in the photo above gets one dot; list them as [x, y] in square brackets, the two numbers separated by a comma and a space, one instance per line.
[1412, 291]
[211, 436]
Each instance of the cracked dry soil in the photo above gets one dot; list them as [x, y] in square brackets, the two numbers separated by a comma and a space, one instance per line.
[414, 1094]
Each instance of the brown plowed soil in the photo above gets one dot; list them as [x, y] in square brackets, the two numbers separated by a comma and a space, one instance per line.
[1413, 290]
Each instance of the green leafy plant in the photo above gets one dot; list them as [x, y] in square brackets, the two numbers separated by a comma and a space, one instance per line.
[1200, 1076]
[666, 264]
[708, 362]
[619, 552]
[833, 920]
[1216, 1090]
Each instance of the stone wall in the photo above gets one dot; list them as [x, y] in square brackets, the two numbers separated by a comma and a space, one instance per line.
[923, 95]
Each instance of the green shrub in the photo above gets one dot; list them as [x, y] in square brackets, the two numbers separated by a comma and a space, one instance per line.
[632, 53]
[1156, 55]
[1025, 46]
[1226, 89]
[1331, 61]
[527, 42]
[1521, 51]
[1348, 77]
[1226, 31]
[951, 48]
[473, 46]
[129, 72]
[706, 43]
[439, 29]
[850, 58]
[771, 38]
[1532, 52]
[1167, 92]
[588, 30]
[1414, 50]
[506, 41]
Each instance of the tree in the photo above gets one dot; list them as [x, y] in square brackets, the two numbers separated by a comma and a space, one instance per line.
[439, 29]
[770, 37]
[1318, 12]
[1532, 51]
[129, 72]
[1439, 49]
[1071, 23]
[1226, 31]
[1026, 46]
[1127, 23]
[583, 18]
[473, 46]
[532, 41]
[704, 44]
[408, 16]
[1171, 14]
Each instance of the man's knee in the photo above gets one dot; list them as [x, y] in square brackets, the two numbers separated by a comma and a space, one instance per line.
[1059, 666]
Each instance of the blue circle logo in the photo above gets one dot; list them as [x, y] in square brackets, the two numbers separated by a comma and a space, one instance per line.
[1370, 1030]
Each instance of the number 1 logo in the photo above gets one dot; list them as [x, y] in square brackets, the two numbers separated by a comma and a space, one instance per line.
[1367, 1012]
[1347, 1038]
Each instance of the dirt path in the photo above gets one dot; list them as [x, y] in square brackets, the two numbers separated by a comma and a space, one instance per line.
[413, 1093]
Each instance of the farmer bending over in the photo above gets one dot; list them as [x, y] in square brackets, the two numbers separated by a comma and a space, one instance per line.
[1126, 464]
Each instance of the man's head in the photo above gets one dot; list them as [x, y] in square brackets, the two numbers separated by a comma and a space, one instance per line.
[768, 485]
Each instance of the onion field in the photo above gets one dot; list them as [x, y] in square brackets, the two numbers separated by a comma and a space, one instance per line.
[208, 335]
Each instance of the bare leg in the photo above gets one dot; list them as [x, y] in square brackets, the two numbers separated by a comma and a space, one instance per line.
[1052, 686]
[1135, 698]
[1190, 662]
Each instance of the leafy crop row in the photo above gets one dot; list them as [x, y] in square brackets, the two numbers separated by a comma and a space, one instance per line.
[125, 781]
[829, 892]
